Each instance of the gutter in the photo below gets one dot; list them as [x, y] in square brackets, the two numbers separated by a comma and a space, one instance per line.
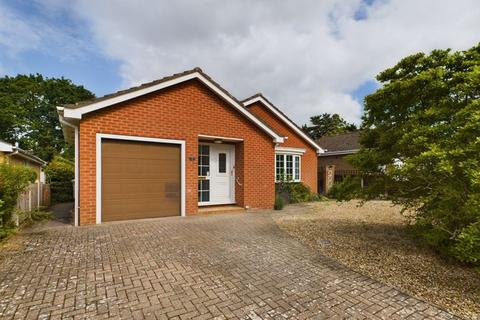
[22, 153]
[339, 152]
[77, 175]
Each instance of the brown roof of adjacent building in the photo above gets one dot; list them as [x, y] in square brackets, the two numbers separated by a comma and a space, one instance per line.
[343, 142]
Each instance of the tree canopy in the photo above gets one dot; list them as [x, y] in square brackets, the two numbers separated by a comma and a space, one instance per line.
[327, 124]
[28, 112]
[421, 146]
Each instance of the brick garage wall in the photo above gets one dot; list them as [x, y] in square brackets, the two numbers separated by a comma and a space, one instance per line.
[309, 158]
[339, 162]
[182, 112]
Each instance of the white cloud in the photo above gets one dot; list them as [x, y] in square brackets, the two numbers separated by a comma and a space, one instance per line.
[16, 34]
[307, 56]
[20, 33]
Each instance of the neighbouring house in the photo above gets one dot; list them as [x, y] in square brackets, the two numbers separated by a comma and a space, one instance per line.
[336, 148]
[176, 145]
[34, 196]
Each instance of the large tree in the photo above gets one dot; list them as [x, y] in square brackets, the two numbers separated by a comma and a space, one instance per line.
[28, 112]
[421, 146]
[327, 124]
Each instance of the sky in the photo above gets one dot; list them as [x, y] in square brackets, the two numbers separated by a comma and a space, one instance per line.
[306, 56]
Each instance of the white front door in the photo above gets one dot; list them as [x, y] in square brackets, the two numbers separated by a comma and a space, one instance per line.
[218, 168]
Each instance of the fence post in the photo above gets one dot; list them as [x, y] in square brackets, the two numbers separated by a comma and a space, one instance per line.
[329, 178]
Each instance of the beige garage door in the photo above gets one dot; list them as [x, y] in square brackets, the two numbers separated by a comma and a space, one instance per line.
[139, 180]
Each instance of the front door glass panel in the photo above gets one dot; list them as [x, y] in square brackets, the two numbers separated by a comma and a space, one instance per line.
[203, 173]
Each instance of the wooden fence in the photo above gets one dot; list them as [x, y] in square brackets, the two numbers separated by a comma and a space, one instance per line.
[36, 195]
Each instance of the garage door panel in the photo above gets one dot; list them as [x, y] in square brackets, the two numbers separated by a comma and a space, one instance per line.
[149, 209]
[141, 171]
[127, 187]
[140, 180]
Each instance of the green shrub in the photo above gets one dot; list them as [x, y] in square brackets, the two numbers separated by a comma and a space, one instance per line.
[13, 180]
[317, 197]
[60, 173]
[279, 202]
[30, 217]
[467, 246]
[346, 190]
[420, 147]
[296, 192]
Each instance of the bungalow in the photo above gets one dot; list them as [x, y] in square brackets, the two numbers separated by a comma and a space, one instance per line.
[12, 154]
[179, 144]
[336, 148]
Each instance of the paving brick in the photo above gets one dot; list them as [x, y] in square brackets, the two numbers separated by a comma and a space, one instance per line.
[239, 266]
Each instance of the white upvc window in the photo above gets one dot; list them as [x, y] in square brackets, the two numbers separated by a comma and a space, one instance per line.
[287, 167]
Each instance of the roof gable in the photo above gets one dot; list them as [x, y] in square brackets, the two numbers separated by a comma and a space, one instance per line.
[76, 111]
[282, 116]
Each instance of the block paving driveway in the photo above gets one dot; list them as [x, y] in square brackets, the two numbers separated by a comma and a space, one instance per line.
[236, 266]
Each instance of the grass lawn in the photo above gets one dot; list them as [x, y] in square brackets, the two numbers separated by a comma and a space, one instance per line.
[373, 240]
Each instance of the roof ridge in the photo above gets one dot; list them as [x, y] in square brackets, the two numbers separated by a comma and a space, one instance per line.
[341, 134]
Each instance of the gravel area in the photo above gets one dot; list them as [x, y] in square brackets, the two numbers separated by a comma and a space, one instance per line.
[373, 240]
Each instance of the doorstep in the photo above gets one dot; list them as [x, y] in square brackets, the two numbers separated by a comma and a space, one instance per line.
[221, 209]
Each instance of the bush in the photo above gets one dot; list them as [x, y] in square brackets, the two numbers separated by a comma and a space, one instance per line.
[30, 217]
[467, 247]
[13, 180]
[296, 192]
[346, 189]
[420, 142]
[279, 202]
[60, 173]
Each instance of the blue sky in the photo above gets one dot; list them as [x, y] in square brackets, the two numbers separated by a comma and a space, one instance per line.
[321, 56]
[89, 68]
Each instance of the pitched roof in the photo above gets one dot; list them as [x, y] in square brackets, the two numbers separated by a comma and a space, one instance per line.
[141, 86]
[75, 111]
[344, 143]
[282, 116]
[11, 149]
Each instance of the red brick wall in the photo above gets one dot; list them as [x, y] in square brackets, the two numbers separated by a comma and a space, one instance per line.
[182, 112]
[339, 162]
[309, 158]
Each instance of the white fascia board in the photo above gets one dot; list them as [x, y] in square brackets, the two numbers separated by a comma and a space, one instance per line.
[289, 150]
[77, 113]
[336, 153]
[5, 146]
[22, 154]
[284, 119]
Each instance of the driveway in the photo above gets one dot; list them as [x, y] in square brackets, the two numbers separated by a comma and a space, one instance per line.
[237, 266]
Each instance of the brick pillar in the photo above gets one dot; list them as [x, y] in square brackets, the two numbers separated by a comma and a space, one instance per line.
[329, 178]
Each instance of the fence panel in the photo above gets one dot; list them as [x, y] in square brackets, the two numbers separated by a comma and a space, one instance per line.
[32, 197]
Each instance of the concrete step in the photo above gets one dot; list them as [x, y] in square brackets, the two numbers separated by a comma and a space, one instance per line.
[220, 209]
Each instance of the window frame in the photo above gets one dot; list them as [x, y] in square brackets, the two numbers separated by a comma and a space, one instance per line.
[295, 157]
